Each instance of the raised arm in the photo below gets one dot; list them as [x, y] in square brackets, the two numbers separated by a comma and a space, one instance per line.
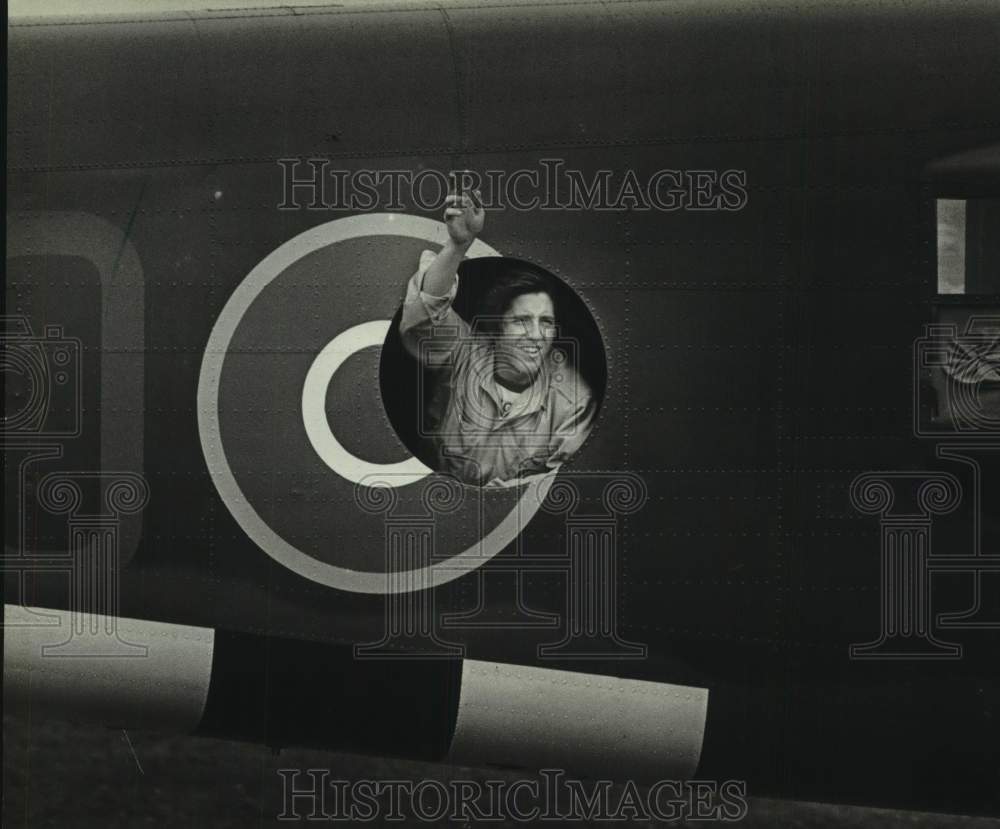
[431, 291]
[464, 217]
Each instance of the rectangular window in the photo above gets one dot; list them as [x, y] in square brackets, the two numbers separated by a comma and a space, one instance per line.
[968, 246]
[951, 246]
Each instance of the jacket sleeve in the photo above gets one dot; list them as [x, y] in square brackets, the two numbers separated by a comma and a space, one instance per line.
[429, 327]
[569, 434]
[566, 438]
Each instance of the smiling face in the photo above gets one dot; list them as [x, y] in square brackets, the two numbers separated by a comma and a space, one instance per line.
[527, 330]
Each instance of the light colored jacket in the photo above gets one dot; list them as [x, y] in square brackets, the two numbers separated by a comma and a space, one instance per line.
[483, 433]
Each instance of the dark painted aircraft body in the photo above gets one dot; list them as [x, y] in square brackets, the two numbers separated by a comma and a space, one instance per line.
[759, 325]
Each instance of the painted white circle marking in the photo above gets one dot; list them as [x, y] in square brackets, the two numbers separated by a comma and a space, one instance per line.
[209, 423]
[317, 424]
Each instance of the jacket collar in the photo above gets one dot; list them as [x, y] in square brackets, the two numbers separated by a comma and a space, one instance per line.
[537, 393]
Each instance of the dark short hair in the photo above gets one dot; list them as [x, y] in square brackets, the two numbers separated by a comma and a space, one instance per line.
[509, 285]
